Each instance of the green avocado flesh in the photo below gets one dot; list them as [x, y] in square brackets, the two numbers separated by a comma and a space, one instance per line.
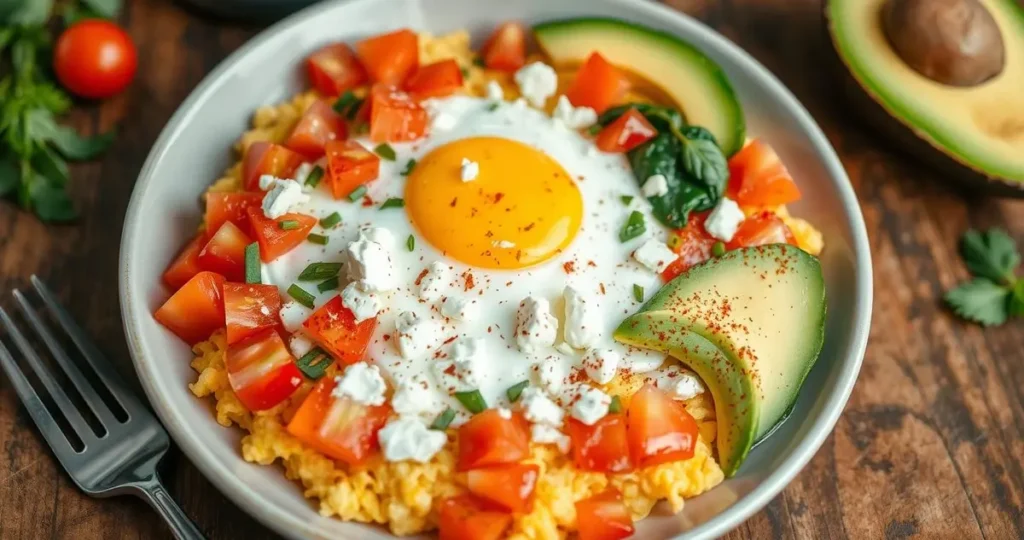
[763, 308]
[693, 81]
[981, 127]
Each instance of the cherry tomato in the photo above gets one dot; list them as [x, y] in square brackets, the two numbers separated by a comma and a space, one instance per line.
[95, 59]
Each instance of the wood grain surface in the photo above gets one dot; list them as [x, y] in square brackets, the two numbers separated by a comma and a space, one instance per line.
[931, 444]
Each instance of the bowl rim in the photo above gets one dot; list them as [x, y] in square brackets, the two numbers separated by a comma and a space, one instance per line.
[252, 501]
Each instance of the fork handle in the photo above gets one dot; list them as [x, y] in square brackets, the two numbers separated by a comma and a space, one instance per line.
[156, 495]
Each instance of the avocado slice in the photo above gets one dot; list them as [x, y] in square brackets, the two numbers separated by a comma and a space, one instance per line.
[922, 94]
[763, 307]
[696, 84]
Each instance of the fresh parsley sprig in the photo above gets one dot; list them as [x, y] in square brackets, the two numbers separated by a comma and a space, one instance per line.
[996, 293]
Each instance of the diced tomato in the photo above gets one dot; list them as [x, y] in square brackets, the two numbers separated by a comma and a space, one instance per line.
[334, 69]
[350, 165]
[601, 447]
[338, 427]
[505, 50]
[390, 58]
[511, 486]
[196, 310]
[490, 439]
[692, 243]
[598, 84]
[660, 429]
[757, 177]
[317, 126]
[186, 264]
[603, 517]
[334, 327]
[268, 158]
[230, 206]
[466, 518]
[224, 253]
[761, 229]
[439, 79]
[395, 116]
[248, 309]
[275, 241]
[625, 133]
[261, 370]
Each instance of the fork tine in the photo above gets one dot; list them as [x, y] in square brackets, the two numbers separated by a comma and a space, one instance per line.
[74, 417]
[88, 393]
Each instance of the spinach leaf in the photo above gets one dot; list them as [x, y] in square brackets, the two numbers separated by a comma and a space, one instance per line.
[703, 159]
[660, 155]
[662, 118]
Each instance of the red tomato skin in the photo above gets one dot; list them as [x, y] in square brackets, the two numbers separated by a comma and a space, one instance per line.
[230, 206]
[250, 309]
[603, 517]
[598, 84]
[435, 80]
[395, 116]
[268, 158]
[390, 58]
[334, 68]
[625, 133]
[356, 441]
[510, 486]
[224, 253]
[270, 388]
[489, 439]
[319, 125]
[466, 518]
[602, 447]
[761, 229]
[757, 177]
[186, 264]
[660, 429]
[350, 165]
[334, 327]
[505, 49]
[196, 310]
[694, 246]
[95, 59]
[275, 241]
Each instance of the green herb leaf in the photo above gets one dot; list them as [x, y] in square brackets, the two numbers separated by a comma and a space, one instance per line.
[661, 155]
[346, 103]
[493, 106]
[704, 161]
[473, 401]
[615, 406]
[981, 301]
[633, 227]
[105, 8]
[328, 284]
[664, 119]
[317, 239]
[69, 143]
[443, 420]
[320, 271]
[331, 220]
[314, 364]
[479, 62]
[410, 243]
[638, 292]
[50, 202]
[50, 165]
[392, 203]
[465, 72]
[301, 296]
[1016, 306]
[516, 390]
[991, 255]
[409, 167]
[253, 275]
[626, 199]
[10, 177]
[385, 151]
[31, 12]
[357, 193]
[288, 225]
[315, 176]
[594, 129]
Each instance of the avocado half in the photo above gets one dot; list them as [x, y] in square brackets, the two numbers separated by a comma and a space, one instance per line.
[973, 134]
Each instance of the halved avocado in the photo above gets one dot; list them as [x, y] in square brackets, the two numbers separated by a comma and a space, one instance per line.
[945, 79]
[696, 84]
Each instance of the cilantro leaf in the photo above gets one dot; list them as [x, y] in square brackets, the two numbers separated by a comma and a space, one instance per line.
[980, 300]
[992, 255]
[10, 177]
[51, 203]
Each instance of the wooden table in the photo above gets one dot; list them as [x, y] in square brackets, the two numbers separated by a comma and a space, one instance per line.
[931, 442]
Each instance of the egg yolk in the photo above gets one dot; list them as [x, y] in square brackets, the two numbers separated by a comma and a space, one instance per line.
[520, 209]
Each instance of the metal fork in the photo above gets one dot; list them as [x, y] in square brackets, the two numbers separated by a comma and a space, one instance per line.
[121, 460]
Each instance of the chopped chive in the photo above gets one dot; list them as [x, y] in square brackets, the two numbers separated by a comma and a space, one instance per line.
[385, 151]
[626, 199]
[320, 271]
[718, 249]
[493, 107]
[314, 363]
[288, 225]
[301, 296]
[330, 220]
[252, 264]
[314, 176]
[317, 239]
[328, 284]
[465, 72]
[516, 390]
[357, 193]
[638, 292]
[409, 167]
[410, 243]
[594, 129]
[347, 103]
[392, 203]
[633, 227]
[615, 406]
[479, 62]
[443, 420]
[473, 401]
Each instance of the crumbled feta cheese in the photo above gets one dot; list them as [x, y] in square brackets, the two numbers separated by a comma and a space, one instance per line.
[467, 355]
[370, 263]
[362, 383]
[724, 219]
[416, 336]
[282, 197]
[680, 384]
[601, 365]
[634, 127]
[505, 413]
[443, 122]
[435, 281]
[268, 181]
[362, 303]
[591, 406]
[655, 255]
[504, 244]
[416, 395]
[537, 82]
[379, 235]
[302, 171]
[553, 372]
[494, 91]
[574, 117]
[469, 170]
[539, 408]
[655, 186]
[300, 345]
[461, 308]
[448, 378]
[583, 321]
[410, 438]
[565, 349]
[536, 327]
[543, 434]
[293, 314]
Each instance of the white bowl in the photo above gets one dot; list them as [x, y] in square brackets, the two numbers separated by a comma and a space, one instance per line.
[196, 146]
